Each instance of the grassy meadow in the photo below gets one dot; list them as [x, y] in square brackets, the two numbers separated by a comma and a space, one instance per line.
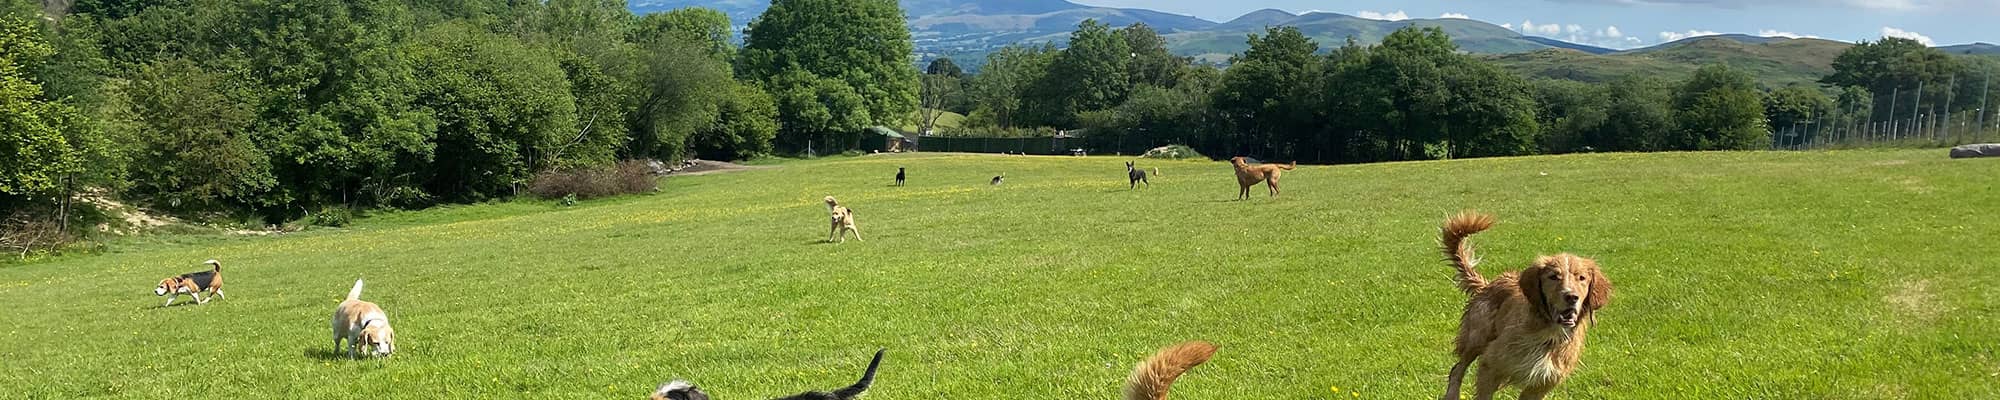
[1826, 275]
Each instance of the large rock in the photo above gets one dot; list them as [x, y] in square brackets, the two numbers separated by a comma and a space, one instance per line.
[1976, 150]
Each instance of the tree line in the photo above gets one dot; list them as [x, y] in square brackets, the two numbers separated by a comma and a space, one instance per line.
[1415, 96]
[275, 109]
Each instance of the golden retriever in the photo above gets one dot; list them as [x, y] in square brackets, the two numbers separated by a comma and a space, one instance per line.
[1249, 175]
[1151, 379]
[843, 221]
[1527, 328]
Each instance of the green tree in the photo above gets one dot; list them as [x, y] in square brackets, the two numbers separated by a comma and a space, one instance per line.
[748, 122]
[1797, 110]
[997, 91]
[1088, 76]
[863, 45]
[1151, 63]
[35, 155]
[943, 66]
[1895, 66]
[501, 109]
[1571, 113]
[195, 130]
[1719, 109]
[1259, 99]
[1638, 117]
[818, 115]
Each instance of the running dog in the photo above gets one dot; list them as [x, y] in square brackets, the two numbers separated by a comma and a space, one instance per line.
[682, 390]
[899, 176]
[1249, 175]
[1151, 379]
[1136, 175]
[362, 325]
[192, 284]
[998, 179]
[843, 221]
[1527, 328]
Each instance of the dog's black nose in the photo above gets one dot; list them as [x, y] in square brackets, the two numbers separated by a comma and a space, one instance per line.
[1569, 298]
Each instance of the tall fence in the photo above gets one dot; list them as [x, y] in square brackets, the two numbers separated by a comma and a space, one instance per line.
[1904, 117]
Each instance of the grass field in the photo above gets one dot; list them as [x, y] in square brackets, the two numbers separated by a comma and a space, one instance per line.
[1830, 275]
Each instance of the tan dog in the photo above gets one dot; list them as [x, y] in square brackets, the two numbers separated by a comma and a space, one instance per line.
[1526, 329]
[362, 325]
[1151, 379]
[843, 221]
[192, 284]
[1249, 175]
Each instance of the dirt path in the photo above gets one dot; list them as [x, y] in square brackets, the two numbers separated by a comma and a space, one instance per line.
[705, 167]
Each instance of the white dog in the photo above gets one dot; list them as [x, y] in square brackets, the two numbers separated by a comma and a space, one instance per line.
[363, 325]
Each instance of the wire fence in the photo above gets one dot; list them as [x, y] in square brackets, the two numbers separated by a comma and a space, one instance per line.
[1916, 122]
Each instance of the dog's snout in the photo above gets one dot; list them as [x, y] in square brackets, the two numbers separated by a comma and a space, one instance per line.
[1570, 298]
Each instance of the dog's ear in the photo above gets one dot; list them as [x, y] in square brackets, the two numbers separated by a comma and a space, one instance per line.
[1531, 280]
[1600, 290]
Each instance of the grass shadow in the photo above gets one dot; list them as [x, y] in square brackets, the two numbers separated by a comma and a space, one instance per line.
[323, 353]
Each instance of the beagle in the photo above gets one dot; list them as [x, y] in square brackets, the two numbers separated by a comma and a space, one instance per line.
[192, 284]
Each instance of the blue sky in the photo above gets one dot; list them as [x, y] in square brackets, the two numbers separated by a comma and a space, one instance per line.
[1637, 23]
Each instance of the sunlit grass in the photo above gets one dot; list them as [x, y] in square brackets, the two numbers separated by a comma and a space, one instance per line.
[1843, 275]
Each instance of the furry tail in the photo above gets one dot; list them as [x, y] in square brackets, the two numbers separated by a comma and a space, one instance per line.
[1451, 240]
[867, 378]
[1294, 165]
[1151, 379]
[355, 293]
[217, 264]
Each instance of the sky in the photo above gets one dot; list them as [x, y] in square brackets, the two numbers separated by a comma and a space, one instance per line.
[1624, 24]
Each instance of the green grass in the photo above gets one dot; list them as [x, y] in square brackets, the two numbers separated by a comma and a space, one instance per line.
[945, 121]
[1776, 64]
[1819, 275]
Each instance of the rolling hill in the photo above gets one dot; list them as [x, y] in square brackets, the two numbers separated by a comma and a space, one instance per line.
[1776, 62]
[1332, 30]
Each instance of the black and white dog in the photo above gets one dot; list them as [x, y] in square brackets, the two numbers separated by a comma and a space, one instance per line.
[998, 179]
[682, 390]
[899, 176]
[1137, 175]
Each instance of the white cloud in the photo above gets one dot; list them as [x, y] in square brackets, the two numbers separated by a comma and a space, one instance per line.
[1529, 27]
[1672, 36]
[1508, 26]
[1460, 16]
[1920, 38]
[1783, 34]
[1573, 28]
[1611, 31]
[1398, 15]
[1898, 5]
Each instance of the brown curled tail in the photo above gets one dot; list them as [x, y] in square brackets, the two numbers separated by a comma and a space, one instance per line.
[1294, 165]
[1451, 240]
[1151, 379]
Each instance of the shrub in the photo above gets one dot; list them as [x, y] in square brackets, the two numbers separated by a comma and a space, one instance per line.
[1173, 152]
[333, 217]
[627, 177]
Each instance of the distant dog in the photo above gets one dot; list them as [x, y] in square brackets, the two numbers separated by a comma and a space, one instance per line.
[682, 390]
[362, 325]
[1136, 175]
[1156, 172]
[899, 176]
[998, 179]
[843, 221]
[1526, 328]
[1151, 379]
[1248, 175]
[192, 284]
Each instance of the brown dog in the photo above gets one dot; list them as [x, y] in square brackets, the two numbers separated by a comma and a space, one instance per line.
[843, 221]
[1527, 328]
[1248, 175]
[1151, 379]
[192, 284]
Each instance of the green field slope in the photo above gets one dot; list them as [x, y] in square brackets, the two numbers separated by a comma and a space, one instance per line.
[1842, 275]
[1775, 63]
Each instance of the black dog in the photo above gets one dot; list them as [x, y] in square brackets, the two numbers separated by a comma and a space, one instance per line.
[997, 180]
[682, 390]
[1137, 175]
[899, 176]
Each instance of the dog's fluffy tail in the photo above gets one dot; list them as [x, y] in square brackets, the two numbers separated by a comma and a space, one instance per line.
[355, 293]
[867, 378]
[1451, 240]
[1151, 379]
[216, 264]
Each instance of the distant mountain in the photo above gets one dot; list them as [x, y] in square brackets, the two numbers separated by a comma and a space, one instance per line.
[1567, 45]
[1976, 49]
[968, 29]
[1775, 62]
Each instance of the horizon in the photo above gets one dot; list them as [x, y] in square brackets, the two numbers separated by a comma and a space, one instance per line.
[1630, 24]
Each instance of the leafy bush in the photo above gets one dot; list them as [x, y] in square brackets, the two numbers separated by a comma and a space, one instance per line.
[627, 177]
[1172, 152]
[333, 217]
